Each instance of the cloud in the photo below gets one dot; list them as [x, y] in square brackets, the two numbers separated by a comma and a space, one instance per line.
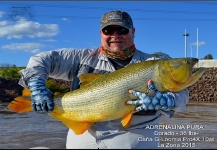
[27, 28]
[26, 47]
[50, 40]
[199, 43]
[1, 14]
[3, 23]
[65, 19]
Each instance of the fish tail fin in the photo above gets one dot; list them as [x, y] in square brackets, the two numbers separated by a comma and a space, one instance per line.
[20, 105]
[76, 126]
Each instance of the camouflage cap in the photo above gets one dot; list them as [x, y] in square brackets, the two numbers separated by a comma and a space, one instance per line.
[116, 17]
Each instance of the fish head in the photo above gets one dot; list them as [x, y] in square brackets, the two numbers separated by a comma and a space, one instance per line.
[177, 74]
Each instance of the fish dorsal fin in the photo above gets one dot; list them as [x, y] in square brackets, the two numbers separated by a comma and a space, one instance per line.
[77, 127]
[126, 121]
[87, 78]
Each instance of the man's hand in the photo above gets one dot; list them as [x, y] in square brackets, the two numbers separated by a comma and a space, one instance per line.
[152, 100]
[42, 97]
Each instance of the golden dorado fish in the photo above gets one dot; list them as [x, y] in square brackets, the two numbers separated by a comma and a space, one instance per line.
[102, 97]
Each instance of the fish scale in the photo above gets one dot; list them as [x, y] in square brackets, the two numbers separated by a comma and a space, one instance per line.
[102, 97]
[109, 95]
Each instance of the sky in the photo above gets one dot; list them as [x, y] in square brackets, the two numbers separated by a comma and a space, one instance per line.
[28, 28]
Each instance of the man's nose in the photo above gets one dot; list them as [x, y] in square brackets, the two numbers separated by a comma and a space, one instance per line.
[115, 33]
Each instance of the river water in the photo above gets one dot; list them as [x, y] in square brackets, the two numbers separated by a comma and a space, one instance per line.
[196, 128]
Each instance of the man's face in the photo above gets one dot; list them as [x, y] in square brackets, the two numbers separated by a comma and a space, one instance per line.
[116, 38]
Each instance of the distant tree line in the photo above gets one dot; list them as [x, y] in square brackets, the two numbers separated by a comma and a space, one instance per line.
[9, 71]
[209, 56]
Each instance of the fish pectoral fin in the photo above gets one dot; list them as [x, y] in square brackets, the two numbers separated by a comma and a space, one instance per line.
[89, 77]
[126, 121]
[20, 105]
[76, 126]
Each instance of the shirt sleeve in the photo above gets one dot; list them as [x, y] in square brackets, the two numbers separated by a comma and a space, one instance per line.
[181, 99]
[62, 64]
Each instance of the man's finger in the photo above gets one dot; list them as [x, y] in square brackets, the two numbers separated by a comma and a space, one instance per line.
[34, 107]
[135, 102]
[142, 107]
[50, 106]
[138, 94]
[38, 107]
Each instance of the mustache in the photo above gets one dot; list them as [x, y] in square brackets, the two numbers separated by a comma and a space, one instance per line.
[115, 41]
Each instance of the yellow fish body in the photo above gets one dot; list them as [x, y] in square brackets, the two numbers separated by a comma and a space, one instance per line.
[102, 97]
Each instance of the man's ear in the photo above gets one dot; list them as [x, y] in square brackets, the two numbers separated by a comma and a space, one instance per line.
[133, 31]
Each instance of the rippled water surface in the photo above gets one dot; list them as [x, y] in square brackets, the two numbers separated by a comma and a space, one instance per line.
[195, 129]
[198, 128]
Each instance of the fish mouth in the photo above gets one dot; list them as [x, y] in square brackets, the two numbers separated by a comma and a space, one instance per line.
[197, 72]
[195, 68]
[180, 73]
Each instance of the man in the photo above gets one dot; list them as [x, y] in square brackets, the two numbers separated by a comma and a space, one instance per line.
[117, 50]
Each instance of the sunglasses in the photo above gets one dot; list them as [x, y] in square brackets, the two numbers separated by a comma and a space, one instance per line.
[111, 30]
